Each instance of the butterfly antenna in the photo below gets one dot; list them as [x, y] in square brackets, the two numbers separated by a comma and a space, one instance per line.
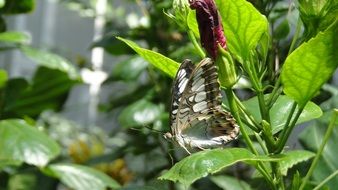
[171, 158]
[151, 129]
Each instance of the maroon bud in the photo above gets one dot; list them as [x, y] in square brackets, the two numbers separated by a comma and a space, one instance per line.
[209, 25]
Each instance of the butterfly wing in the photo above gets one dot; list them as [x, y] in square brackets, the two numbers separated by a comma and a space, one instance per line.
[200, 117]
[214, 129]
[180, 83]
[202, 94]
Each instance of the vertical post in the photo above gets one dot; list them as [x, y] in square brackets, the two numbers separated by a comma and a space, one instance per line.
[97, 56]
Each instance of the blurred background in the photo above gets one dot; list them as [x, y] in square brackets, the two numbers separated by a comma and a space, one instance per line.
[103, 118]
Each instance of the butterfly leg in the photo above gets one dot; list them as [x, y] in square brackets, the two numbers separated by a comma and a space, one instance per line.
[195, 146]
[187, 150]
[199, 147]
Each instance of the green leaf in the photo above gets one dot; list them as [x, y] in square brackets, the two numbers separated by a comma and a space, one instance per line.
[280, 111]
[192, 23]
[81, 177]
[9, 162]
[152, 185]
[310, 66]
[2, 3]
[206, 162]
[292, 158]
[243, 26]
[3, 78]
[129, 69]
[48, 90]
[17, 6]
[22, 142]
[263, 46]
[296, 181]
[228, 182]
[317, 15]
[312, 137]
[139, 188]
[140, 113]
[161, 62]
[51, 60]
[15, 37]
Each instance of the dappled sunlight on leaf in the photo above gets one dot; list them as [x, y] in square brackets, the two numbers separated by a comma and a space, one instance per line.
[22, 142]
[206, 162]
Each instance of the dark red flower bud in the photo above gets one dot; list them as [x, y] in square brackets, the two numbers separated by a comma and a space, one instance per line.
[209, 25]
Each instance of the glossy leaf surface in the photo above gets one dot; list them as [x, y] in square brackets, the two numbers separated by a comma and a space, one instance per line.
[310, 66]
[206, 162]
[82, 177]
[160, 61]
[22, 142]
[243, 26]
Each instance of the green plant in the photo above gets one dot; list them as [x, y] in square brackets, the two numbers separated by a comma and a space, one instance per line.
[279, 102]
[286, 76]
[29, 158]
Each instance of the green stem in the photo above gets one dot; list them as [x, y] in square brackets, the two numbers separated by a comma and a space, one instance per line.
[267, 134]
[195, 43]
[247, 114]
[266, 175]
[321, 148]
[244, 120]
[274, 93]
[233, 106]
[277, 175]
[257, 85]
[272, 96]
[261, 143]
[262, 106]
[292, 111]
[295, 37]
[287, 129]
[235, 112]
[326, 180]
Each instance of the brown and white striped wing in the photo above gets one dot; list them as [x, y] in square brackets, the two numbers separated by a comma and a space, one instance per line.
[199, 114]
[201, 95]
[211, 130]
[180, 83]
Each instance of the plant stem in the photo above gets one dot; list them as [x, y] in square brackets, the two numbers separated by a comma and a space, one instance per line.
[326, 180]
[257, 85]
[261, 143]
[295, 36]
[235, 112]
[262, 106]
[288, 128]
[288, 120]
[267, 135]
[277, 175]
[261, 168]
[272, 96]
[195, 43]
[321, 148]
[248, 115]
[233, 106]
[244, 120]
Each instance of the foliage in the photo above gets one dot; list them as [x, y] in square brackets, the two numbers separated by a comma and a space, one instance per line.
[26, 152]
[272, 117]
[287, 74]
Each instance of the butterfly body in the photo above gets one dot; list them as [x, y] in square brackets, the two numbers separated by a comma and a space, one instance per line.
[196, 118]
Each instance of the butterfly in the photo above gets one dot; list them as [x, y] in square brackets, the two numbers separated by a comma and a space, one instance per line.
[197, 119]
